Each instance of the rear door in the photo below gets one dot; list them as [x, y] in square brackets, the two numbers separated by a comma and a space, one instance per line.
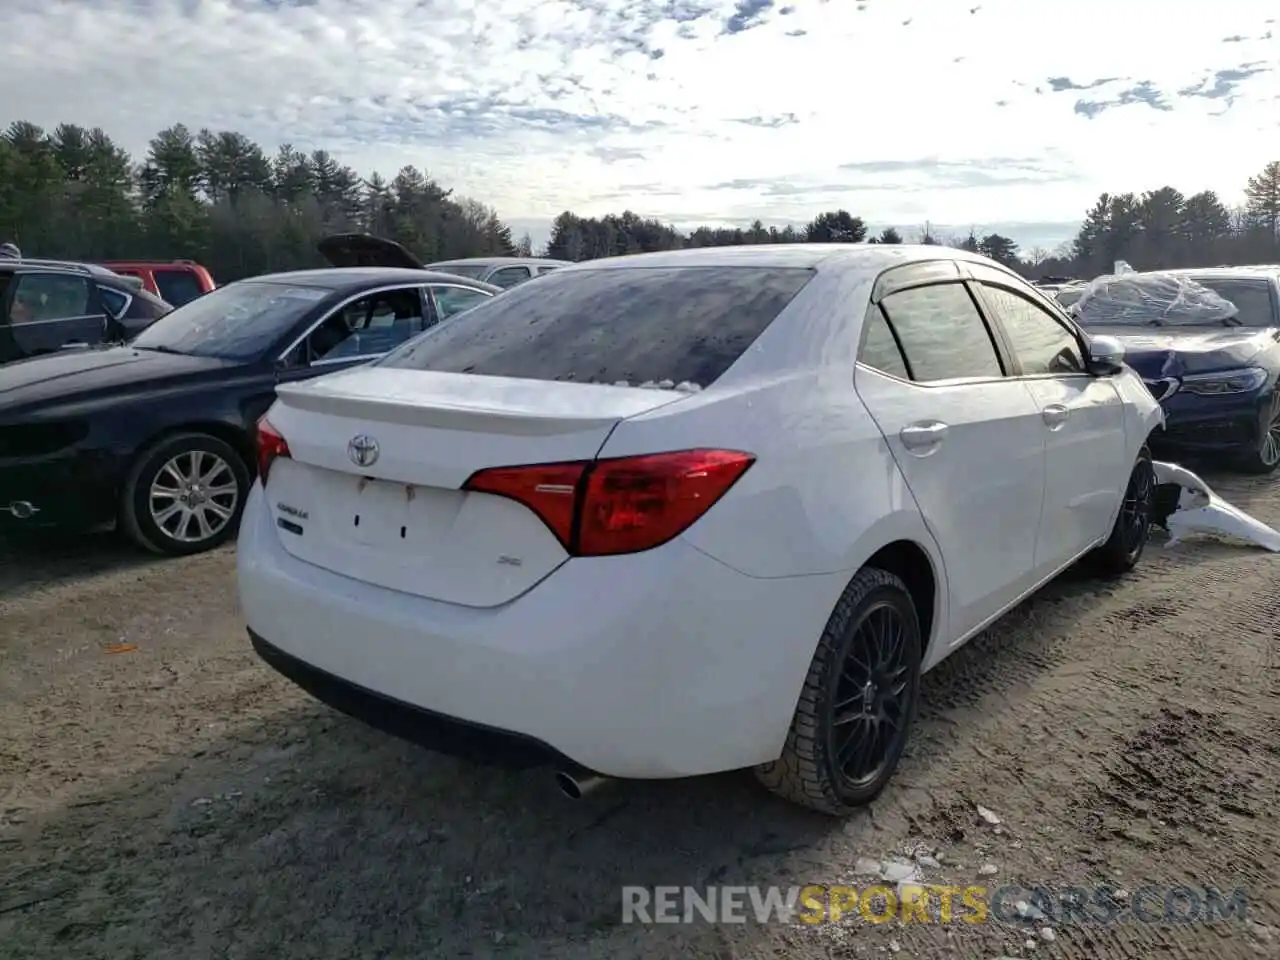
[1087, 456]
[44, 312]
[967, 437]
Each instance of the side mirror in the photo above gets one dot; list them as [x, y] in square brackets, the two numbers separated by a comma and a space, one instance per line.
[1106, 356]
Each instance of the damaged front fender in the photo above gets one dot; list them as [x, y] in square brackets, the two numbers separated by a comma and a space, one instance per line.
[1198, 509]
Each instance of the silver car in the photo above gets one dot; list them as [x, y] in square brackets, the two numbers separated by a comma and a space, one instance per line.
[500, 271]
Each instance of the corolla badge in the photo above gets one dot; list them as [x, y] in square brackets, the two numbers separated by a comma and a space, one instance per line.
[363, 451]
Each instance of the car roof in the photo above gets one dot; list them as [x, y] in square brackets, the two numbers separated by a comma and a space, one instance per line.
[501, 262]
[1258, 271]
[350, 278]
[70, 266]
[869, 257]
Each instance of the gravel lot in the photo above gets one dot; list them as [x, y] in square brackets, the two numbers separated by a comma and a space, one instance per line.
[163, 794]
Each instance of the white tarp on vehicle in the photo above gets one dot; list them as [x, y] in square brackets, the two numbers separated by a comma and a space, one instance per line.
[1127, 298]
[1200, 509]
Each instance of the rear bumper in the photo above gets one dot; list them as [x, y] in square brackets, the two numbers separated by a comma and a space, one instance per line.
[661, 664]
[423, 727]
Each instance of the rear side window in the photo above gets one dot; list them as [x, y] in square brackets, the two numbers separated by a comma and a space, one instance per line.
[941, 332]
[631, 326]
[879, 350]
[115, 302]
[177, 286]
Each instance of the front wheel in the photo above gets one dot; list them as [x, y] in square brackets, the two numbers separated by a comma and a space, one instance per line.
[1264, 456]
[185, 494]
[1132, 528]
[858, 701]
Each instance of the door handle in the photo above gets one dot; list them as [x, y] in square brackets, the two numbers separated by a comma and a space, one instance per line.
[925, 436]
[1055, 415]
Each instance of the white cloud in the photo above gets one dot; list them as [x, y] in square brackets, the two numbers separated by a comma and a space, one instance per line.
[537, 106]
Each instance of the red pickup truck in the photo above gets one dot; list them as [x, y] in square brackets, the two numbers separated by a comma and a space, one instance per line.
[174, 281]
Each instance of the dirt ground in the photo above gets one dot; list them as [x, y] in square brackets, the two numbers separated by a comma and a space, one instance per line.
[163, 794]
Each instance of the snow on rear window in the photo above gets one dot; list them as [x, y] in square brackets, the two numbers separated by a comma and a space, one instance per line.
[672, 328]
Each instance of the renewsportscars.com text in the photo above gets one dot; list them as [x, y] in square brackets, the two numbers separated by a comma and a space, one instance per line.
[931, 903]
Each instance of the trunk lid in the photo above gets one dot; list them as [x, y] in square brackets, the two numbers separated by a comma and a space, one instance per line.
[388, 508]
[363, 250]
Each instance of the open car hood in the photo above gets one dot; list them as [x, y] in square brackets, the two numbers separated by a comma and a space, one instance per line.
[363, 250]
[1198, 508]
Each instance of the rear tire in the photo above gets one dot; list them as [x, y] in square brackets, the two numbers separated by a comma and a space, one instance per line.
[1132, 528]
[162, 522]
[858, 701]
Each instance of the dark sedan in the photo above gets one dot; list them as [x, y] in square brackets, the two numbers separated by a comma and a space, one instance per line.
[1217, 380]
[158, 435]
[50, 305]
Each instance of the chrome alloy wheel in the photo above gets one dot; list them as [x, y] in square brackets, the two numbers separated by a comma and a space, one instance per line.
[193, 496]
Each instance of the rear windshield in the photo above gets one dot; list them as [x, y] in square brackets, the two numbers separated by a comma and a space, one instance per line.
[635, 326]
[475, 271]
[1251, 297]
[177, 286]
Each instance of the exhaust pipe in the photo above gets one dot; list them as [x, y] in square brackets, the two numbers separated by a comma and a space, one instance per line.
[576, 784]
[23, 509]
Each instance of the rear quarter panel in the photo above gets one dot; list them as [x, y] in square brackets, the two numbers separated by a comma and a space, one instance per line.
[825, 492]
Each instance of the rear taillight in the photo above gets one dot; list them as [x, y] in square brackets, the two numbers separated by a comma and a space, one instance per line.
[271, 446]
[622, 505]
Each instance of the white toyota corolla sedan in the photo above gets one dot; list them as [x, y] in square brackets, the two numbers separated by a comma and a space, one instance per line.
[677, 513]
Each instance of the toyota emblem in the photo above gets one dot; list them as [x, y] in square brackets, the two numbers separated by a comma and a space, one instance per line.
[363, 451]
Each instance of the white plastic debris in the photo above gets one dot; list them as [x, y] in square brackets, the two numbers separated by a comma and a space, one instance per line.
[896, 872]
[1200, 509]
[894, 946]
[1047, 934]
[1028, 911]
[988, 870]
[988, 815]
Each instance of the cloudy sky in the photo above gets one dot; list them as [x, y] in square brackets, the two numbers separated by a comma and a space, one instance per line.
[988, 112]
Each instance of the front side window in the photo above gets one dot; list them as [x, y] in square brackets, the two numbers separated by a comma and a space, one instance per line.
[1041, 344]
[509, 276]
[41, 297]
[943, 335]
[367, 327]
[631, 326]
[241, 321]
